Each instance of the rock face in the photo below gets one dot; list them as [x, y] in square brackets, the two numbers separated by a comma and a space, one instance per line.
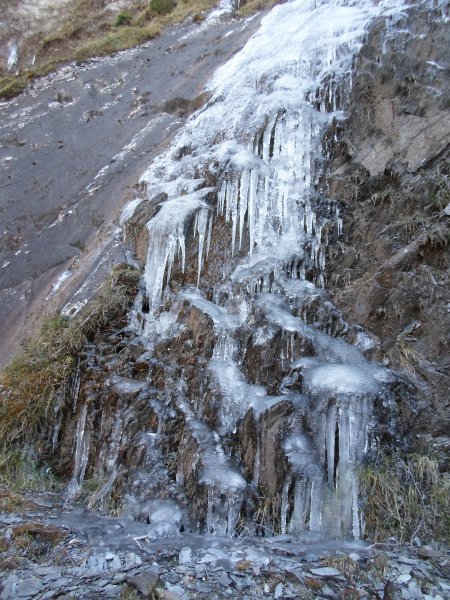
[240, 396]
[72, 148]
[390, 171]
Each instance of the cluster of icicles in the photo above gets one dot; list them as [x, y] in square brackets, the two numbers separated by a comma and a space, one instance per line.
[259, 139]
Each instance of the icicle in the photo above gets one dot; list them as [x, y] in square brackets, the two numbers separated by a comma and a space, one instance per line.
[315, 518]
[243, 202]
[257, 464]
[297, 522]
[331, 442]
[285, 505]
[82, 439]
[201, 224]
[209, 512]
[210, 226]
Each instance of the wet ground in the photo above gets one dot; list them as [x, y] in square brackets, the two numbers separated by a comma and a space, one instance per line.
[72, 148]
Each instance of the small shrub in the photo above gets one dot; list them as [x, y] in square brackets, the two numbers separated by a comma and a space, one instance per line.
[123, 18]
[162, 7]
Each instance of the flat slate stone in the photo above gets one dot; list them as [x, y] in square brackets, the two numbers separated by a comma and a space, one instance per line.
[29, 588]
[325, 572]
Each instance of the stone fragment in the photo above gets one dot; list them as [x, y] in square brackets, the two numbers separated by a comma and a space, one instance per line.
[29, 588]
[132, 559]
[200, 587]
[280, 539]
[224, 580]
[266, 588]
[325, 572]
[145, 582]
[407, 560]
[278, 593]
[327, 592]
[111, 591]
[355, 557]
[9, 587]
[176, 589]
[297, 574]
[49, 573]
[185, 556]
[166, 595]
[427, 552]
[414, 591]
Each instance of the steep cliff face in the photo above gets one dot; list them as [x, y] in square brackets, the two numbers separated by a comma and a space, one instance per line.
[390, 172]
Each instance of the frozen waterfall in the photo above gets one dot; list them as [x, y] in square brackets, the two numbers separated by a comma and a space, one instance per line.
[250, 163]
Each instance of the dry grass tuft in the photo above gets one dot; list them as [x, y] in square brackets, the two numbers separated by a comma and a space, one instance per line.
[37, 379]
[405, 498]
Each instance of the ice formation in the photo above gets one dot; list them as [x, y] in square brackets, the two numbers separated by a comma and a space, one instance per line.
[252, 159]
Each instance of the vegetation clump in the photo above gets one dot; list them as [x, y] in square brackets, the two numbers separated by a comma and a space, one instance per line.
[405, 498]
[123, 18]
[162, 7]
[39, 378]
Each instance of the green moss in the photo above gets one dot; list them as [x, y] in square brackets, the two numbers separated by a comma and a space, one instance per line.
[22, 471]
[252, 6]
